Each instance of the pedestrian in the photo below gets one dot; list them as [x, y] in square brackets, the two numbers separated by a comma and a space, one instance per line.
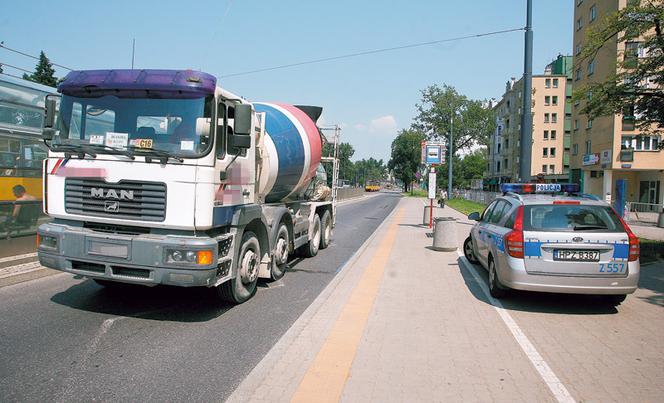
[441, 199]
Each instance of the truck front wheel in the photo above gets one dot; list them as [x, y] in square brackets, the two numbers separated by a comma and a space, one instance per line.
[326, 232]
[243, 286]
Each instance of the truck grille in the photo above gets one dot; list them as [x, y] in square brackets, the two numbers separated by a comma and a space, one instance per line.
[126, 199]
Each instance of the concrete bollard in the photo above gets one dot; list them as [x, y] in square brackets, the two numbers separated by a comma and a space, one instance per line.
[427, 213]
[445, 234]
[660, 220]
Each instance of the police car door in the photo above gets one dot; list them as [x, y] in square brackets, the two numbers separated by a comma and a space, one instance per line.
[479, 232]
[494, 231]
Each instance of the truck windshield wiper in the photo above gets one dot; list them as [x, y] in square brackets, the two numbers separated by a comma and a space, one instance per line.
[68, 149]
[580, 227]
[109, 149]
[162, 155]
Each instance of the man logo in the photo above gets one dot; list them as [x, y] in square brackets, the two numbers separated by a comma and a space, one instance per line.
[111, 206]
[102, 193]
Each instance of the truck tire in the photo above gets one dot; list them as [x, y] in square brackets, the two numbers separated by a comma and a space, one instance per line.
[326, 230]
[243, 286]
[311, 247]
[281, 248]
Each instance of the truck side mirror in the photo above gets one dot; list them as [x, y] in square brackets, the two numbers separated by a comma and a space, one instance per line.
[50, 106]
[242, 121]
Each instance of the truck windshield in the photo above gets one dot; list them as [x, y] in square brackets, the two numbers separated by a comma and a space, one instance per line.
[180, 127]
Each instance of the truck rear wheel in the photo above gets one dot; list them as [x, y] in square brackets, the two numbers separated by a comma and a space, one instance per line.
[281, 248]
[243, 286]
[326, 231]
[311, 248]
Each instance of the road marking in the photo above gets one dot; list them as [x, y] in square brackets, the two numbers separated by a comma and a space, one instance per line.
[326, 377]
[19, 269]
[17, 257]
[556, 387]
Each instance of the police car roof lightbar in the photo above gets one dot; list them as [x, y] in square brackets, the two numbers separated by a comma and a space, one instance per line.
[522, 188]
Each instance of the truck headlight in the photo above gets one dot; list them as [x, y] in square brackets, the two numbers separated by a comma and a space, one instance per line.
[48, 241]
[180, 256]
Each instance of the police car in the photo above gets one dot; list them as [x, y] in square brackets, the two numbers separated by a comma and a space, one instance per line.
[548, 237]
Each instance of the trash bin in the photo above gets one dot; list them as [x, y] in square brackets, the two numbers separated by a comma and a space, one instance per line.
[425, 218]
[445, 234]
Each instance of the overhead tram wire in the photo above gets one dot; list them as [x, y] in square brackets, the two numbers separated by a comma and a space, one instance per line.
[3, 46]
[370, 52]
[16, 68]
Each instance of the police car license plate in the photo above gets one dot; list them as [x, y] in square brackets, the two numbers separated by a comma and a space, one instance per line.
[572, 255]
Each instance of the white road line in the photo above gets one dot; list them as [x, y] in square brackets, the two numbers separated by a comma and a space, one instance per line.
[19, 269]
[559, 390]
[17, 257]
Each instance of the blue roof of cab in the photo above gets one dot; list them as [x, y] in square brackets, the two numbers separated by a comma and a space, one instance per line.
[138, 83]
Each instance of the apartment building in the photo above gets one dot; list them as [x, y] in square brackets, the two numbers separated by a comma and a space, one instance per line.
[551, 112]
[609, 157]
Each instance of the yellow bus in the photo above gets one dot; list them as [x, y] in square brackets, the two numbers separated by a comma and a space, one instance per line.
[372, 186]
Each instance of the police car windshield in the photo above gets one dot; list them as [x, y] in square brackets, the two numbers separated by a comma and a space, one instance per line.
[571, 218]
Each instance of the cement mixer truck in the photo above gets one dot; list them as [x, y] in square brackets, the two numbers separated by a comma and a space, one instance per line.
[163, 177]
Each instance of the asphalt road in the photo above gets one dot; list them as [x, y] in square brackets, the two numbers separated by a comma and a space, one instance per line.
[64, 338]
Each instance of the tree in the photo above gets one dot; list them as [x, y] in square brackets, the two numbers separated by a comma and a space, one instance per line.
[44, 73]
[471, 166]
[406, 156]
[635, 89]
[344, 153]
[1, 71]
[473, 122]
[370, 170]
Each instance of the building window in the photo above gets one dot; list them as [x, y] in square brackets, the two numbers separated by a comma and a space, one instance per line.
[555, 83]
[588, 146]
[554, 118]
[507, 144]
[578, 49]
[591, 67]
[552, 168]
[577, 75]
[647, 143]
[590, 124]
[631, 56]
[498, 166]
[579, 23]
[553, 152]
[576, 124]
[554, 100]
[546, 118]
[553, 134]
[543, 169]
[547, 83]
[498, 149]
[547, 100]
[593, 13]
[545, 152]
[546, 134]
[575, 149]
[506, 163]
[627, 142]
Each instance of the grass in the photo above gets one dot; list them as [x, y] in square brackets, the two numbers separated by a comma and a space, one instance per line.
[417, 193]
[465, 206]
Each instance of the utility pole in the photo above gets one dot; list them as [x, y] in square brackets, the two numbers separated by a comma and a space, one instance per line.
[449, 162]
[133, 51]
[526, 135]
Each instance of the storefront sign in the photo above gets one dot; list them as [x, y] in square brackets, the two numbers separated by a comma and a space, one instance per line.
[590, 159]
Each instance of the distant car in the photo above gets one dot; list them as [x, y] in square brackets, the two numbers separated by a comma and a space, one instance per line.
[547, 237]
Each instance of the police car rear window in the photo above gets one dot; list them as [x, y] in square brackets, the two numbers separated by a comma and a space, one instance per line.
[570, 218]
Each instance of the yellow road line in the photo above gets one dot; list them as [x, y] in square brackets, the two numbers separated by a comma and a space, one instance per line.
[325, 379]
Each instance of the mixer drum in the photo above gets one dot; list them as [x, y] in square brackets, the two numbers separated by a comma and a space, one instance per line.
[292, 151]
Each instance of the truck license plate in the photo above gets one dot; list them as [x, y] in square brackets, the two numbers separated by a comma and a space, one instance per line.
[572, 255]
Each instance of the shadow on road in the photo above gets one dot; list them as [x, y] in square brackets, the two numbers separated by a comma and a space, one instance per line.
[567, 304]
[162, 303]
[652, 279]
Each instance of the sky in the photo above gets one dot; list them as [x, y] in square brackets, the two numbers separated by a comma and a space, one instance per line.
[371, 97]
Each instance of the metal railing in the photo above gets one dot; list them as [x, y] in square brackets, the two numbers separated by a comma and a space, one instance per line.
[479, 196]
[643, 212]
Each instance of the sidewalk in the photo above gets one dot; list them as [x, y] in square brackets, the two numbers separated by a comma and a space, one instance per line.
[401, 322]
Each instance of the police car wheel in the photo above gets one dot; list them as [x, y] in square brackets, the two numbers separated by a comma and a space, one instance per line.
[469, 251]
[495, 288]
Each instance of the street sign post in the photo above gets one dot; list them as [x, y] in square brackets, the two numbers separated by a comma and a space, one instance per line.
[432, 194]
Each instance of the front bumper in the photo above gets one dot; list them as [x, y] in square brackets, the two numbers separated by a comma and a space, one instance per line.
[137, 259]
[513, 275]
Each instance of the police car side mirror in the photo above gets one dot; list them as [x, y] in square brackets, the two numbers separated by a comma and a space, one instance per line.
[474, 216]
